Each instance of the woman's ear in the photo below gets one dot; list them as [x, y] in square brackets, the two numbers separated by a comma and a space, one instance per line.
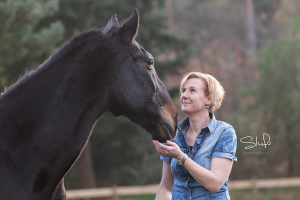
[208, 100]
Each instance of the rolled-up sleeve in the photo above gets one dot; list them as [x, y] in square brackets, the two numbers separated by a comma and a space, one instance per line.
[226, 145]
[164, 158]
[167, 159]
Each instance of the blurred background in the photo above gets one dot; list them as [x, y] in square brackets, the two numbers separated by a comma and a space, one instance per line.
[251, 46]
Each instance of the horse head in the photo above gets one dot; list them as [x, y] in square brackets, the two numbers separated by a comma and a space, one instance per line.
[137, 92]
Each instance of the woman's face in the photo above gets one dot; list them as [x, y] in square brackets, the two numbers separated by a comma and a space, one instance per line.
[193, 98]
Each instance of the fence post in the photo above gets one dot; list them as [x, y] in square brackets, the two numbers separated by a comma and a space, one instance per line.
[254, 188]
[115, 193]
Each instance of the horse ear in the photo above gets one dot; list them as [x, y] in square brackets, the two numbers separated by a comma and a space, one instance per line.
[112, 22]
[128, 31]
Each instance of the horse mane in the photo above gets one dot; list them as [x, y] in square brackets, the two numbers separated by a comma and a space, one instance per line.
[76, 41]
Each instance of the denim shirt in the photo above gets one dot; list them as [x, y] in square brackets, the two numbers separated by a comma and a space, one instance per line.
[217, 139]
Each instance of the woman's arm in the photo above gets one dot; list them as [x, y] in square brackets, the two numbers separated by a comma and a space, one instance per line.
[212, 179]
[166, 184]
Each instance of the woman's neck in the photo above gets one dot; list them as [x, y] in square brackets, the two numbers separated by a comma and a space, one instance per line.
[198, 121]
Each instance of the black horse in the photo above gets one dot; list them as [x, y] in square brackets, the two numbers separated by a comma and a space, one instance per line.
[46, 118]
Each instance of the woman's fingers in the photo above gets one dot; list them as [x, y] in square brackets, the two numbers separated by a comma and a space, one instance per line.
[164, 149]
[157, 146]
[170, 150]
[170, 143]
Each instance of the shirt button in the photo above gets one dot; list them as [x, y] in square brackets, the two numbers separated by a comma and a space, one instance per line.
[189, 197]
[192, 149]
[188, 177]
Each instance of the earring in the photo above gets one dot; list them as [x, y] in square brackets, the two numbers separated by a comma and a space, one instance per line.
[207, 106]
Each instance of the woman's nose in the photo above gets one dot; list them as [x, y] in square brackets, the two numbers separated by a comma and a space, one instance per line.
[184, 95]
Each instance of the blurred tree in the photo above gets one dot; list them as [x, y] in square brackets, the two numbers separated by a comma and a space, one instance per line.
[22, 44]
[169, 5]
[251, 27]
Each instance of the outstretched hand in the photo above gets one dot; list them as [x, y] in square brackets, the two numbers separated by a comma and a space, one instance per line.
[169, 151]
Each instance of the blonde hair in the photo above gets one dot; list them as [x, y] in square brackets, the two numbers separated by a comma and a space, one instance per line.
[213, 88]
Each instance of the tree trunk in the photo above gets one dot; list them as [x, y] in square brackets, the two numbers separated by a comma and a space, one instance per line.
[85, 170]
[251, 28]
[170, 15]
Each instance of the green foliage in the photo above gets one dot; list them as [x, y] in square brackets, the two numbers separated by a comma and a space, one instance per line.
[279, 84]
[22, 45]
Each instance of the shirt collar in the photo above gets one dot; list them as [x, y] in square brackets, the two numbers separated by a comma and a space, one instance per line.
[184, 124]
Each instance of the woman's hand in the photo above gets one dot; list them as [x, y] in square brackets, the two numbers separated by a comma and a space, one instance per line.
[169, 151]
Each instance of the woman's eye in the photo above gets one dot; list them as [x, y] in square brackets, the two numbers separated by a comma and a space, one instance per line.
[193, 90]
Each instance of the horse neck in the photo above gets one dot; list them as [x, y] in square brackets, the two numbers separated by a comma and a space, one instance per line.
[54, 107]
[57, 101]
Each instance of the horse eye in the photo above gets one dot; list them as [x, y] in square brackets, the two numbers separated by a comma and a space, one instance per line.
[150, 64]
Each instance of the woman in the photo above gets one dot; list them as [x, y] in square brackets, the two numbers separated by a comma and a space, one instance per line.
[197, 164]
